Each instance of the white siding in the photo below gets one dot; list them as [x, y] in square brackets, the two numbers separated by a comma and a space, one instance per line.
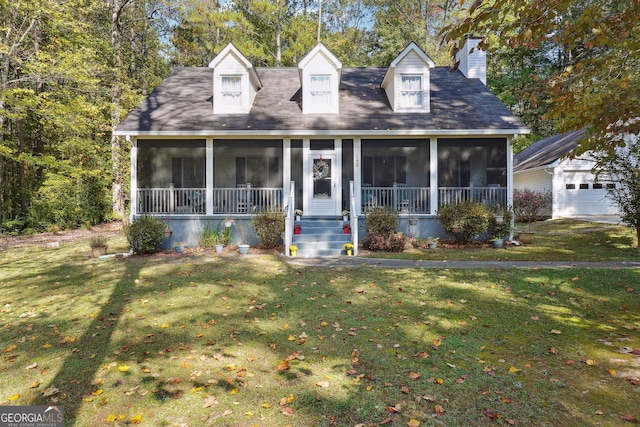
[230, 66]
[537, 180]
[473, 65]
[583, 199]
[411, 64]
[319, 65]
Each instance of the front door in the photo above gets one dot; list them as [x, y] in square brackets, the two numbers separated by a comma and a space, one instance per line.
[322, 186]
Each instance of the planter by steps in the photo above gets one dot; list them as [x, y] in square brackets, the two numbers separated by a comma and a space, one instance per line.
[243, 249]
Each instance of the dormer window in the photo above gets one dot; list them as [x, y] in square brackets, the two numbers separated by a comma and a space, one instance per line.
[231, 90]
[235, 82]
[406, 81]
[320, 90]
[411, 91]
[319, 74]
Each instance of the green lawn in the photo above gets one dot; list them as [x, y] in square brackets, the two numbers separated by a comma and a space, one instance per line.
[243, 341]
[555, 240]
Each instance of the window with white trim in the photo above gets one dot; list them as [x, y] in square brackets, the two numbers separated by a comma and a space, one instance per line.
[320, 90]
[231, 90]
[411, 90]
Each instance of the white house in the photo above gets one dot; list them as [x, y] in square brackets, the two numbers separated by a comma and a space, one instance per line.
[228, 140]
[544, 166]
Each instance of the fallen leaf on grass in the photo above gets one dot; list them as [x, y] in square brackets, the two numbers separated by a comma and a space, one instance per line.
[209, 401]
[414, 375]
[413, 423]
[514, 369]
[287, 411]
[556, 332]
[14, 397]
[283, 365]
[438, 409]
[628, 417]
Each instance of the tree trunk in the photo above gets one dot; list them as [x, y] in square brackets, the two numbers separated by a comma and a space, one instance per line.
[638, 238]
[117, 157]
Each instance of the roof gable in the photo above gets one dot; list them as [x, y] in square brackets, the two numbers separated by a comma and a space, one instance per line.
[411, 48]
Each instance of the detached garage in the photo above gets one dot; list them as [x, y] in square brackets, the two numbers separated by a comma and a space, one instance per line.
[543, 167]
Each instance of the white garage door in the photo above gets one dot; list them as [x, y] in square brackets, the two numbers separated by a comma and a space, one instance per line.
[582, 196]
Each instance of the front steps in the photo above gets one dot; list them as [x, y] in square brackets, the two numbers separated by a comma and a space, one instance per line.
[320, 237]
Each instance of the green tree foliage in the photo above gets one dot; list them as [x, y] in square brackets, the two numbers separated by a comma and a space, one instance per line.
[623, 170]
[56, 111]
[597, 44]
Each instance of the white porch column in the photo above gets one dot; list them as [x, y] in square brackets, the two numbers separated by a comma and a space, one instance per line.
[357, 173]
[134, 179]
[433, 175]
[286, 169]
[209, 175]
[510, 171]
[337, 146]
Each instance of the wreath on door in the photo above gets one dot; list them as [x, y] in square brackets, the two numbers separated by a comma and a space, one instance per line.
[320, 169]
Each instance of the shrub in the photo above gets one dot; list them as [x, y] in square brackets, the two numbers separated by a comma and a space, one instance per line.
[381, 221]
[502, 229]
[145, 234]
[472, 217]
[395, 242]
[530, 206]
[380, 224]
[210, 236]
[269, 226]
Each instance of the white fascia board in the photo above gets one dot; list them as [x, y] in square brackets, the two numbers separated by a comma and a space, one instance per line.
[322, 133]
[551, 165]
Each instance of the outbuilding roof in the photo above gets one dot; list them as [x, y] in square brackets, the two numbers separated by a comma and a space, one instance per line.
[547, 151]
[183, 105]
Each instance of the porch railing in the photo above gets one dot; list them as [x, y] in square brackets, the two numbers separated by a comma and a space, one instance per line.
[193, 200]
[398, 198]
[490, 196]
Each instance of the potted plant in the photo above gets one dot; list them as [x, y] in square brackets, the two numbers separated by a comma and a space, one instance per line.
[413, 220]
[348, 248]
[345, 215]
[346, 228]
[298, 214]
[297, 229]
[167, 231]
[432, 242]
[98, 246]
[179, 247]
[500, 225]
[243, 247]
[293, 249]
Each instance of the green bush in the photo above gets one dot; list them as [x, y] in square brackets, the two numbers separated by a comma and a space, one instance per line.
[269, 226]
[381, 221]
[530, 206]
[501, 230]
[210, 236]
[472, 217]
[380, 224]
[145, 234]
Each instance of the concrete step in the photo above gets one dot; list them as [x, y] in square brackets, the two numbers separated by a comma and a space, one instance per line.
[320, 237]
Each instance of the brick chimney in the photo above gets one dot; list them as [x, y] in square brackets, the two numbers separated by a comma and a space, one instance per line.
[472, 64]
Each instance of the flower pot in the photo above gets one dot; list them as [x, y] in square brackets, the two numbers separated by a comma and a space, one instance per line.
[179, 249]
[346, 229]
[297, 230]
[227, 224]
[525, 237]
[499, 219]
[413, 221]
[498, 243]
[293, 253]
[432, 245]
[167, 234]
[345, 218]
[456, 230]
[349, 252]
[98, 251]
[219, 248]
[297, 217]
[243, 249]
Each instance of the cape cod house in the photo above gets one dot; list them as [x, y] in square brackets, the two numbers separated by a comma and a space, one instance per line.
[229, 140]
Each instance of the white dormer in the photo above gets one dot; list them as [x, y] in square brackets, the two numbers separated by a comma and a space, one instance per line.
[320, 73]
[235, 82]
[406, 81]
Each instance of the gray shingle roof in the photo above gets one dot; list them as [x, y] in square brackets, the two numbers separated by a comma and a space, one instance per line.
[183, 103]
[546, 151]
